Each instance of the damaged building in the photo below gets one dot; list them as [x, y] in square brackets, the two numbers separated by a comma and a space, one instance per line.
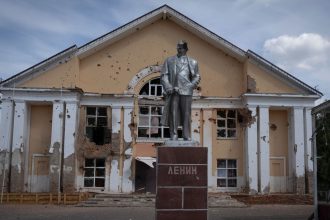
[88, 118]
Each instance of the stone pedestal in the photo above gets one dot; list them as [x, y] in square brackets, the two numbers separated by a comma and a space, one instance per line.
[181, 183]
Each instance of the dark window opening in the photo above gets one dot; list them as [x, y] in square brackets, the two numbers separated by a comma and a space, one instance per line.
[94, 172]
[97, 125]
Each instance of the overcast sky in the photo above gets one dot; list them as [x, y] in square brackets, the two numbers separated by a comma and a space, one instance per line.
[293, 34]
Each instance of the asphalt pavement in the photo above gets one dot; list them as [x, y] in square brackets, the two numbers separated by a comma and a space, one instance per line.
[52, 212]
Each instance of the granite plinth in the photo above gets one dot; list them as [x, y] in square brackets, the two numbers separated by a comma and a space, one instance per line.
[181, 183]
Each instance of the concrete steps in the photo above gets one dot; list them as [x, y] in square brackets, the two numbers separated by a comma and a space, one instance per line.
[148, 200]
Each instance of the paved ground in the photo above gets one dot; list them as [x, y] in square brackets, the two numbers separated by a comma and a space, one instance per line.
[50, 212]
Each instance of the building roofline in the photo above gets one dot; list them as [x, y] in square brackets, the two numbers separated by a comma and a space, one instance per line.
[273, 68]
[39, 65]
[164, 12]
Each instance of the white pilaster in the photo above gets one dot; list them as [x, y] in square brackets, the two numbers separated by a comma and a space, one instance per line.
[308, 136]
[6, 124]
[116, 114]
[57, 125]
[115, 178]
[207, 142]
[70, 128]
[195, 125]
[20, 120]
[264, 149]
[251, 153]
[127, 123]
[298, 141]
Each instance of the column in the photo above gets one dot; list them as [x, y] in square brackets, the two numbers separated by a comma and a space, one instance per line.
[298, 140]
[19, 147]
[56, 146]
[71, 118]
[264, 149]
[195, 125]
[6, 128]
[251, 153]
[308, 136]
[127, 184]
[57, 126]
[70, 128]
[115, 178]
[6, 124]
[207, 142]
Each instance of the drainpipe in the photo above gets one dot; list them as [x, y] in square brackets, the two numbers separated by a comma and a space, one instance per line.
[61, 152]
[313, 140]
[11, 146]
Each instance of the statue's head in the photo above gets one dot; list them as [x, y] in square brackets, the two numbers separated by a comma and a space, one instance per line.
[182, 47]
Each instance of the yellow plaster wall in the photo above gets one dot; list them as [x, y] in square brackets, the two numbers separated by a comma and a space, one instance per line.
[278, 135]
[265, 82]
[227, 148]
[63, 75]
[40, 130]
[111, 69]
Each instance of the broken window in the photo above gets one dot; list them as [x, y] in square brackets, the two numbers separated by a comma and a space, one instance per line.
[226, 173]
[226, 123]
[94, 175]
[150, 112]
[97, 128]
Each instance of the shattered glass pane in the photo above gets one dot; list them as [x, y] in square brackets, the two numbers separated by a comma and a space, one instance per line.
[231, 133]
[100, 162]
[231, 123]
[88, 182]
[91, 121]
[221, 123]
[166, 132]
[100, 172]
[232, 182]
[102, 111]
[221, 113]
[144, 110]
[145, 89]
[89, 172]
[221, 133]
[99, 182]
[159, 90]
[231, 113]
[152, 92]
[231, 163]
[221, 163]
[91, 110]
[89, 162]
[143, 132]
[232, 172]
[102, 121]
[221, 182]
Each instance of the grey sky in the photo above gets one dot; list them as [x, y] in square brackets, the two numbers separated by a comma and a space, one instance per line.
[293, 34]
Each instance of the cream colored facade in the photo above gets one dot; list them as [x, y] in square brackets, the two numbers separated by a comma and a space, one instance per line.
[253, 117]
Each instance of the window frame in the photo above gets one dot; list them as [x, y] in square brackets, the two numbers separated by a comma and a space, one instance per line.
[155, 102]
[96, 117]
[226, 178]
[226, 128]
[94, 177]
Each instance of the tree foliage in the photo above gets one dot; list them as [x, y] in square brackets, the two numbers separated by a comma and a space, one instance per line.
[323, 150]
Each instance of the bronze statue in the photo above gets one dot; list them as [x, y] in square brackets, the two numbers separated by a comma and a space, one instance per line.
[179, 77]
